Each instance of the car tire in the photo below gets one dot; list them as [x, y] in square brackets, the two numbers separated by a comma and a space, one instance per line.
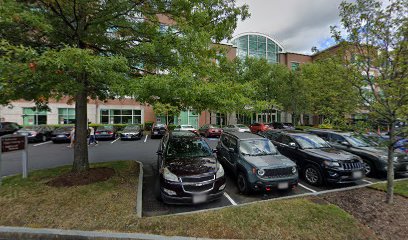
[43, 138]
[242, 183]
[368, 168]
[313, 175]
[54, 141]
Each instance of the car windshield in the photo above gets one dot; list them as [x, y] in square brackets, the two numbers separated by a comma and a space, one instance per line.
[131, 128]
[187, 148]
[257, 147]
[105, 128]
[311, 141]
[358, 141]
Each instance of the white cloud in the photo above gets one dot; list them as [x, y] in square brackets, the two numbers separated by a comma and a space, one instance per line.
[297, 24]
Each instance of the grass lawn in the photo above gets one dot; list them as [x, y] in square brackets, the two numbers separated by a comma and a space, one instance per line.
[400, 187]
[110, 206]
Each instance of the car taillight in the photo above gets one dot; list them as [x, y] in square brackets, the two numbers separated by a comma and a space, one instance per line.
[96, 133]
[110, 132]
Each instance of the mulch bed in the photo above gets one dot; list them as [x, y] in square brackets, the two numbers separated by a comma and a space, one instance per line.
[93, 175]
[369, 207]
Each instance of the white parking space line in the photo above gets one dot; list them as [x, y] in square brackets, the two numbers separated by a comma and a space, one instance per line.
[303, 186]
[146, 138]
[366, 181]
[115, 140]
[230, 199]
[39, 144]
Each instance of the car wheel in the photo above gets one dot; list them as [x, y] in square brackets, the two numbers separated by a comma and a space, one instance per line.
[44, 138]
[54, 141]
[242, 182]
[313, 175]
[369, 168]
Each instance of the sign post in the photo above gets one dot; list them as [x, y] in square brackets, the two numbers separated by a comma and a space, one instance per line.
[11, 143]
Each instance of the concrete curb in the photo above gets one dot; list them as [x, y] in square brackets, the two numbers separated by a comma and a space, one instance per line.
[288, 197]
[46, 233]
[139, 197]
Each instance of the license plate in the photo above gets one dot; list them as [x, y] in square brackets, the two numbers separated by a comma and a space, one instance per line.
[357, 174]
[61, 136]
[24, 134]
[103, 132]
[199, 198]
[283, 185]
[155, 132]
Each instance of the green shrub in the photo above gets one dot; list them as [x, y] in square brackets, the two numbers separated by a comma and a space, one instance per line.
[148, 125]
[171, 127]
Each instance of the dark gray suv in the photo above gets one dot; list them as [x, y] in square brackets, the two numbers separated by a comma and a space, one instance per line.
[256, 163]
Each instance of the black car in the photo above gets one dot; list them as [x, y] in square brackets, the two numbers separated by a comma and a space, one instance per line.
[374, 156]
[158, 130]
[36, 133]
[106, 132]
[8, 128]
[318, 162]
[131, 132]
[188, 171]
[61, 134]
[255, 162]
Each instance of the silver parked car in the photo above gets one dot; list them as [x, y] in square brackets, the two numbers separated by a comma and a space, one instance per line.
[236, 128]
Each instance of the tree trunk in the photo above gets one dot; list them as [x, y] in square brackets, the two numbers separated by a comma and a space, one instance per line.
[81, 162]
[390, 167]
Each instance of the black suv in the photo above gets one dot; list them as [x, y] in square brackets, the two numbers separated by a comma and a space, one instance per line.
[188, 171]
[374, 157]
[318, 161]
[255, 162]
[8, 128]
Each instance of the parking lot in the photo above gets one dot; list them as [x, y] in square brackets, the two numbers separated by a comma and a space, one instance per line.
[48, 155]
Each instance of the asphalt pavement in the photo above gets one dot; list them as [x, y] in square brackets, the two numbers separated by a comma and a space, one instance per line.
[49, 155]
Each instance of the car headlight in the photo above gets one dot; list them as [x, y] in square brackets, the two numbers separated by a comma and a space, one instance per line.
[169, 176]
[261, 172]
[294, 169]
[220, 171]
[331, 163]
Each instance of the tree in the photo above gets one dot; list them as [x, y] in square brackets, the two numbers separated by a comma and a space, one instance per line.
[375, 52]
[166, 110]
[124, 34]
[326, 92]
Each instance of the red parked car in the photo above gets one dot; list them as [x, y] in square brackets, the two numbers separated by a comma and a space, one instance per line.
[210, 131]
[259, 127]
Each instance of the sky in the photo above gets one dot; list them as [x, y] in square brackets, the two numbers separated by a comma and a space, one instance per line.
[297, 24]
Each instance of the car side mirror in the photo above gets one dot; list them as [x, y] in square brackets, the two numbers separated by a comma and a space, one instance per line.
[292, 145]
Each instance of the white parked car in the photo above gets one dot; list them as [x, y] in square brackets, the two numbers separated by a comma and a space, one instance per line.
[185, 128]
[236, 128]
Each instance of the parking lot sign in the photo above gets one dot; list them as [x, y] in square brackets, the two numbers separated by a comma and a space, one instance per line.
[11, 143]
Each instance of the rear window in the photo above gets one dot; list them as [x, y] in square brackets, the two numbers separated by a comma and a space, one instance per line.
[187, 126]
[160, 125]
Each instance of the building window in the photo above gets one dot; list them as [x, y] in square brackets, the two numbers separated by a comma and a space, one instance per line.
[121, 116]
[257, 46]
[294, 66]
[66, 115]
[33, 116]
